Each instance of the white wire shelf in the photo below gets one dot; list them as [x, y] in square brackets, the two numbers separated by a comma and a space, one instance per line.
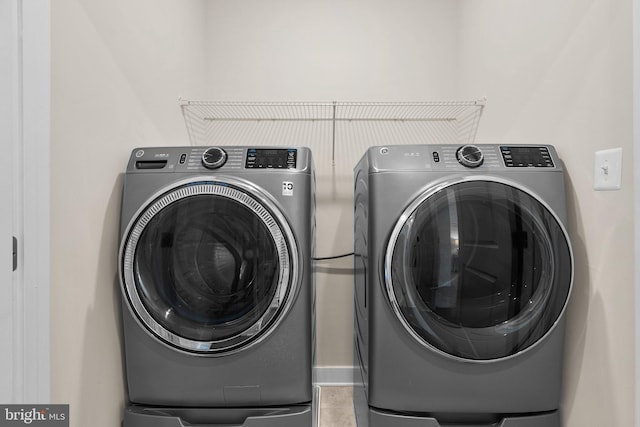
[339, 132]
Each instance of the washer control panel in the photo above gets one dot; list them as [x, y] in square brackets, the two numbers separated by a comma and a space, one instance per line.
[271, 158]
[219, 158]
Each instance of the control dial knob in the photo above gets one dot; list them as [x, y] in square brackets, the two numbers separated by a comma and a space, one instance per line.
[469, 156]
[214, 157]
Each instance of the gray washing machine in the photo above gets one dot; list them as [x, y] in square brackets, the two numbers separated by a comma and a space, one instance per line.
[217, 288]
[463, 272]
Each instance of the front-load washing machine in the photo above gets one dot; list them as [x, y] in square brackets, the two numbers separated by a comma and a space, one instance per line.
[463, 272]
[215, 272]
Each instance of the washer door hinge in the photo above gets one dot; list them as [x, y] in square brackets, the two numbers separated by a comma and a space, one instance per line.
[15, 254]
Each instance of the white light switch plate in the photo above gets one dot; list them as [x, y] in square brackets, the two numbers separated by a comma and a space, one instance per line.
[608, 169]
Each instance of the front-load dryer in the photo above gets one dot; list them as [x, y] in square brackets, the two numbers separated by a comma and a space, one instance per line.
[463, 272]
[216, 280]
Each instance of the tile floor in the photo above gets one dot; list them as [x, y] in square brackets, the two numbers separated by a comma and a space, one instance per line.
[335, 407]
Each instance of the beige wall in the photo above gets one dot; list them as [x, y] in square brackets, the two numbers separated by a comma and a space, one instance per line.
[552, 73]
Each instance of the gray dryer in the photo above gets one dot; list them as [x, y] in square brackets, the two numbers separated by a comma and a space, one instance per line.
[463, 272]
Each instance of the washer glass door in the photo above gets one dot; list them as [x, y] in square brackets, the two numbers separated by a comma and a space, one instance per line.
[478, 269]
[207, 267]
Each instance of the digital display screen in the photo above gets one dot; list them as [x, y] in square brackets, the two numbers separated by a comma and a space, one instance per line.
[271, 158]
[526, 157]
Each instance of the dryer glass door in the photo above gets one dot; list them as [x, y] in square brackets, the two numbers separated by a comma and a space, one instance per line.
[207, 267]
[478, 270]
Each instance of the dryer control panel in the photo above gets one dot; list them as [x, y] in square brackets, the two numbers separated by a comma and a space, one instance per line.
[525, 157]
[469, 157]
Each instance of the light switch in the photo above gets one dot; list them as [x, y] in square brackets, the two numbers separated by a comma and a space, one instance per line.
[608, 170]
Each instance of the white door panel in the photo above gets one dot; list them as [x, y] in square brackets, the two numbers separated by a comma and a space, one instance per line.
[9, 91]
[24, 210]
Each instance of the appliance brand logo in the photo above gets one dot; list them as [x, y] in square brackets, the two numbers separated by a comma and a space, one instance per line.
[36, 415]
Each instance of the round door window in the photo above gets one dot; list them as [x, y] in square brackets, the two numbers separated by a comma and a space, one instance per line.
[478, 270]
[207, 267]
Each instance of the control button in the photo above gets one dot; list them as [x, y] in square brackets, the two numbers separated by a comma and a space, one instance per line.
[214, 157]
[470, 156]
[436, 157]
[183, 159]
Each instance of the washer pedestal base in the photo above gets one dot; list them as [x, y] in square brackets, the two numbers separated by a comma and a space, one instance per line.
[291, 416]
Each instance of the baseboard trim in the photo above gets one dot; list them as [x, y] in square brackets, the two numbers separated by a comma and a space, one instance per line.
[333, 375]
